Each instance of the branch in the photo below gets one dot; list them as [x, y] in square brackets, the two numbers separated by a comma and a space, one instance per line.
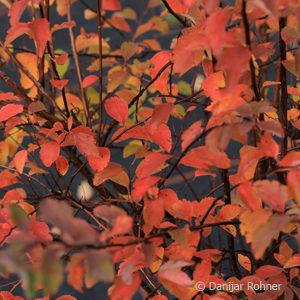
[173, 13]
[78, 71]
[283, 85]
[99, 28]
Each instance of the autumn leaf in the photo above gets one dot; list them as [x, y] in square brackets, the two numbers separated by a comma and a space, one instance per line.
[49, 153]
[98, 163]
[160, 115]
[20, 159]
[41, 34]
[62, 165]
[89, 80]
[111, 5]
[40, 230]
[117, 108]
[59, 84]
[16, 10]
[10, 110]
[153, 163]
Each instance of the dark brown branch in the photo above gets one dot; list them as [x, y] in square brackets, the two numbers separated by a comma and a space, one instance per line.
[99, 29]
[248, 42]
[283, 85]
[173, 13]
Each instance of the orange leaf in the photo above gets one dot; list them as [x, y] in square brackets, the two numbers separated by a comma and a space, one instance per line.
[121, 290]
[49, 153]
[117, 108]
[244, 261]
[294, 261]
[62, 165]
[268, 146]
[59, 84]
[153, 163]
[98, 163]
[75, 271]
[112, 170]
[89, 80]
[20, 159]
[202, 271]
[272, 193]
[111, 5]
[10, 110]
[248, 196]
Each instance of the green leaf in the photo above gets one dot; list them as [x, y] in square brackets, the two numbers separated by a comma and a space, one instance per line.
[184, 88]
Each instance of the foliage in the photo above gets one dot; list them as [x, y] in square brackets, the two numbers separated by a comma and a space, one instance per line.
[74, 111]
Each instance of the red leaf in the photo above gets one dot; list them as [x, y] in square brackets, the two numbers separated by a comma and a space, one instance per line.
[190, 134]
[9, 296]
[41, 231]
[142, 185]
[61, 60]
[98, 163]
[121, 290]
[111, 5]
[123, 225]
[19, 160]
[162, 137]
[117, 108]
[160, 115]
[9, 111]
[41, 34]
[188, 3]
[175, 280]
[89, 80]
[8, 96]
[59, 84]
[292, 159]
[151, 164]
[62, 165]
[16, 10]
[85, 140]
[156, 63]
[15, 32]
[66, 297]
[49, 153]
[62, 26]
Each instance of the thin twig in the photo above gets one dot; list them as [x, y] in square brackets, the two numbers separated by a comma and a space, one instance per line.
[78, 71]
[99, 29]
